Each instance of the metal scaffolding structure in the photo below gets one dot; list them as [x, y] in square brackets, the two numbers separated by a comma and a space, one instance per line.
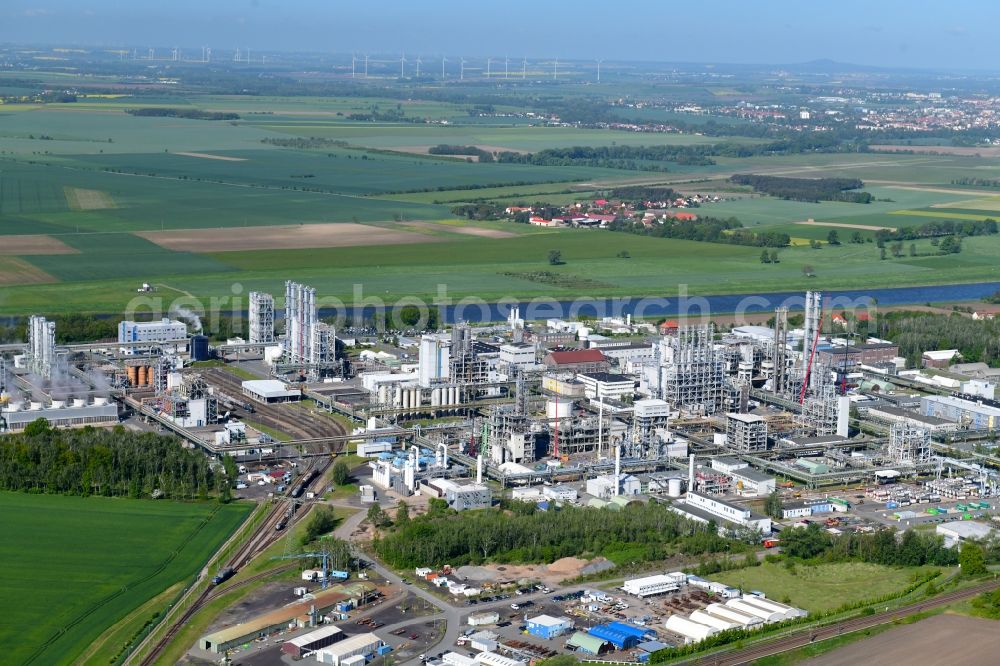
[909, 444]
[300, 317]
[41, 346]
[820, 409]
[812, 323]
[261, 318]
[694, 376]
[465, 368]
[779, 352]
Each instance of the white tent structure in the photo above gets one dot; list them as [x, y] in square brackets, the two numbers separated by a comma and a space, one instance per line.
[692, 632]
[714, 621]
[768, 616]
[787, 611]
[747, 620]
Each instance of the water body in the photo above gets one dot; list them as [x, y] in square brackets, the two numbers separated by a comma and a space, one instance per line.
[477, 311]
[472, 310]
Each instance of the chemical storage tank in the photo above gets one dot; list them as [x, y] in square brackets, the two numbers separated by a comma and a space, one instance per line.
[673, 487]
[141, 376]
[199, 348]
[560, 408]
[133, 375]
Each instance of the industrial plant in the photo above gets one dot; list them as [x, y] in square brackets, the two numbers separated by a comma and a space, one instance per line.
[608, 413]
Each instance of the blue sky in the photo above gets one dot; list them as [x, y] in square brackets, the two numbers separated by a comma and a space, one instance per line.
[958, 34]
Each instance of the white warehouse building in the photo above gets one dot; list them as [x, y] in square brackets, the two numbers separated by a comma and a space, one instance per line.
[652, 585]
[704, 508]
[151, 332]
[361, 644]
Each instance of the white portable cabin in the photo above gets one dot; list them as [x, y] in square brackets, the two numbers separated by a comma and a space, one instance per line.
[746, 619]
[768, 616]
[710, 620]
[789, 612]
[692, 632]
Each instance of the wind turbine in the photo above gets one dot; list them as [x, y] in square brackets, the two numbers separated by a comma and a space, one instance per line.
[461, 75]
[402, 62]
[418, 67]
[524, 68]
[443, 61]
[599, 70]
[555, 69]
[366, 65]
[489, 66]
[354, 62]
[506, 67]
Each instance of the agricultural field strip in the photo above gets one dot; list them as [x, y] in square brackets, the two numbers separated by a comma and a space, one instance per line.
[30, 244]
[16, 271]
[942, 215]
[283, 237]
[845, 225]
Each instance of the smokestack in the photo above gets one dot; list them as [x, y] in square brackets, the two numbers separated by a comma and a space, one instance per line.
[479, 468]
[409, 476]
[691, 472]
[618, 469]
[843, 416]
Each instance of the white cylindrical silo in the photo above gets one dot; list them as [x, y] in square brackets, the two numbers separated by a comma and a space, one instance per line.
[561, 408]
[673, 487]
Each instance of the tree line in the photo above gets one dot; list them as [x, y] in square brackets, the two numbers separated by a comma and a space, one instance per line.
[519, 532]
[470, 151]
[977, 182]
[806, 189]
[916, 332]
[190, 114]
[705, 229]
[937, 228]
[641, 193]
[913, 549]
[111, 463]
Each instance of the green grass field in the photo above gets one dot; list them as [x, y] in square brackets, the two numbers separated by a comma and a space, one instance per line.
[822, 587]
[492, 269]
[74, 566]
[99, 174]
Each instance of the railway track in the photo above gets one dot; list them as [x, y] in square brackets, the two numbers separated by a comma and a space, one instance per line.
[286, 419]
[805, 637]
[290, 420]
[263, 536]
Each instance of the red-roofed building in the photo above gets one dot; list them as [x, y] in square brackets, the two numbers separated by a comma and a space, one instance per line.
[577, 360]
[541, 221]
[686, 217]
[669, 327]
[600, 202]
